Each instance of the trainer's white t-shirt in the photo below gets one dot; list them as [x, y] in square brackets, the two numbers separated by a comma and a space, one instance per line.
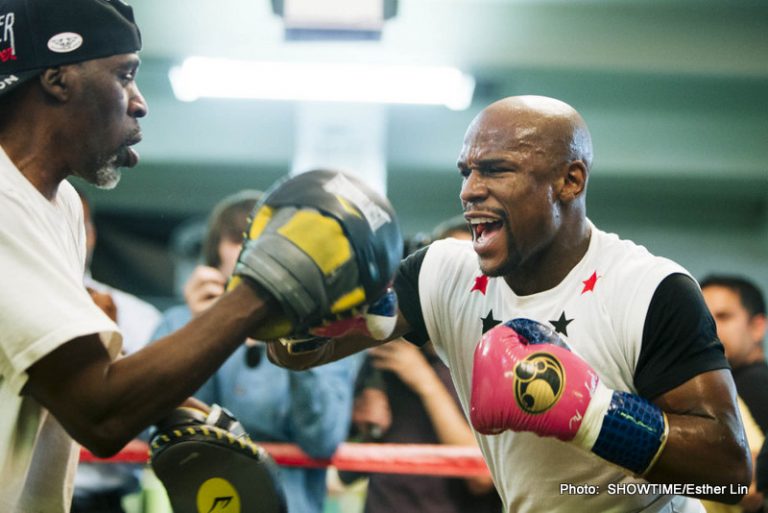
[43, 304]
[136, 318]
[599, 309]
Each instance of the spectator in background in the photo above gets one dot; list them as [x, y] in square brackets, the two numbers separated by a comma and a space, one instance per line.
[405, 395]
[309, 408]
[455, 227]
[738, 307]
[100, 488]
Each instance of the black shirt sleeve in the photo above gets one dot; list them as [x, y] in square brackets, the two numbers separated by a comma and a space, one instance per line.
[407, 288]
[679, 338]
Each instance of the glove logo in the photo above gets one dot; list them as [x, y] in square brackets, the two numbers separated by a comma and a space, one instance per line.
[217, 495]
[539, 382]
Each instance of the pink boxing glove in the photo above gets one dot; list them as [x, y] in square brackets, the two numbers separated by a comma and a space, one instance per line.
[525, 378]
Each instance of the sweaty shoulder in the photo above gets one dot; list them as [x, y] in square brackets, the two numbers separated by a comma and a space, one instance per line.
[424, 273]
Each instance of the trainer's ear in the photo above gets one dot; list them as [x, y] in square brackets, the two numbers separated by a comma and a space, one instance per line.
[574, 181]
[56, 82]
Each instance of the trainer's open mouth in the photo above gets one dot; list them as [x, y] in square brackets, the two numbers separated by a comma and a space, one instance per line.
[128, 156]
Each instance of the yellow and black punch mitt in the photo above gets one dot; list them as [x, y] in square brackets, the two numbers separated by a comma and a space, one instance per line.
[208, 464]
[322, 243]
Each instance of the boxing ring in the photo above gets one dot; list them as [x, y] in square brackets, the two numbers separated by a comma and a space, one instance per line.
[423, 459]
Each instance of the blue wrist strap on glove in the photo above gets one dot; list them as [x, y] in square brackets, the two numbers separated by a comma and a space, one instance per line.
[633, 433]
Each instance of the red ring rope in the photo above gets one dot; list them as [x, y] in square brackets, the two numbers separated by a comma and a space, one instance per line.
[434, 460]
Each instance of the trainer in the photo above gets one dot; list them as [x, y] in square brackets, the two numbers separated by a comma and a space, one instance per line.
[70, 106]
[608, 370]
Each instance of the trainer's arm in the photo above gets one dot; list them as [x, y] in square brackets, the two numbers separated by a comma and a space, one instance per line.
[706, 442]
[103, 404]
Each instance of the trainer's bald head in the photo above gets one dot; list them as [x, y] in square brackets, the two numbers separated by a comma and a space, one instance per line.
[544, 123]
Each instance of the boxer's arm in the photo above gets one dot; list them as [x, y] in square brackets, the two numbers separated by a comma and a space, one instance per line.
[332, 350]
[410, 321]
[706, 441]
[690, 381]
[692, 435]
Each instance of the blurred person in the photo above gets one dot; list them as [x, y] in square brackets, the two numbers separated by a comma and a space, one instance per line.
[421, 407]
[70, 106]
[455, 227]
[136, 318]
[100, 488]
[761, 474]
[581, 359]
[738, 306]
[406, 396]
[308, 408]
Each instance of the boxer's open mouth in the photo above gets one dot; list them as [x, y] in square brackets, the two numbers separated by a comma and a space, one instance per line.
[483, 227]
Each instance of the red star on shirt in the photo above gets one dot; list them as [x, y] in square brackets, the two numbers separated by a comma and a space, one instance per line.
[481, 283]
[589, 283]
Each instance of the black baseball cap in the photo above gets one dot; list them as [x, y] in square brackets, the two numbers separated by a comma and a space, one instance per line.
[40, 34]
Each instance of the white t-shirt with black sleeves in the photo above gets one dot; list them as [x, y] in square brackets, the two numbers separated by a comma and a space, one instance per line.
[637, 319]
[43, 304]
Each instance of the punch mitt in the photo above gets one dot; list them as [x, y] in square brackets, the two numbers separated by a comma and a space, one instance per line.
[207, 463]
[321, 243]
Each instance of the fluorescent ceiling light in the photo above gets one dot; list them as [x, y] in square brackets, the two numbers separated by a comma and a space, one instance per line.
[200, 77]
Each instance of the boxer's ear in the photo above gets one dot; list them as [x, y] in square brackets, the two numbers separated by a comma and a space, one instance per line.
[574, 181]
